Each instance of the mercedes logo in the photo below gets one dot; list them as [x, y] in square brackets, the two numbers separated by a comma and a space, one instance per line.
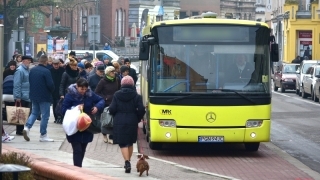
[211, 117]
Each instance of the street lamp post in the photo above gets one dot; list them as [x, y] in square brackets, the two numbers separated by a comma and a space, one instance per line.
[26, 15]
[84, 31]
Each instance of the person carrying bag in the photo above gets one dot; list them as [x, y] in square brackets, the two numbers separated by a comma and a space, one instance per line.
[80, 95]
[16, 114]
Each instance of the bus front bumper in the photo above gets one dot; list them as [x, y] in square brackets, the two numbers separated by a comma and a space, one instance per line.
[194, 134]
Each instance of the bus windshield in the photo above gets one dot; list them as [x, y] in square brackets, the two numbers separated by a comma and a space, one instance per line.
[210, 59]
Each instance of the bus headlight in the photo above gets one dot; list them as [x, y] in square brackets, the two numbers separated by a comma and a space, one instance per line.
[253, 123]
[167, 123]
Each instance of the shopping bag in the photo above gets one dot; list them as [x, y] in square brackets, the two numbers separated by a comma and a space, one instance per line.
[95, 126]
[70, 121]
[16, 114]
[106, 118]
[84, 121]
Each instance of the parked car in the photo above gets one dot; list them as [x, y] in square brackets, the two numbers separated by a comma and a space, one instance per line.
[285, 77]
[305, 65]
[309, 87]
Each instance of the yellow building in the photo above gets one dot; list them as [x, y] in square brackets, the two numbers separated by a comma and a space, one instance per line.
[301, 27]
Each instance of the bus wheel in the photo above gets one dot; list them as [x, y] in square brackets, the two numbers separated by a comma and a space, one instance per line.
[155, 146]
[252, 146]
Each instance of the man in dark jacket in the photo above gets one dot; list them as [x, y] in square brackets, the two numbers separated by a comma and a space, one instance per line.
[132, 72]
[41, 88]
[94, 79]
[56, 73]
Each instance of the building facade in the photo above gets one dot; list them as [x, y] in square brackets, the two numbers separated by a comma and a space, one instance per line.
[260, 10]
[193, 8]
[295, 24]
[241, 9]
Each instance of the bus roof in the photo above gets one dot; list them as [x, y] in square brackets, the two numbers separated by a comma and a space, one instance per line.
[208, 21]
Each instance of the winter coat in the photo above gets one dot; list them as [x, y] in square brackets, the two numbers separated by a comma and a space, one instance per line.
[56, 77]
[8, 72]
[8, 85]
[69, 77]
[106, 89]
[133, 74]
[127, 110]
[21, 86]
[93, 81]
[41, 84]
[89, 100]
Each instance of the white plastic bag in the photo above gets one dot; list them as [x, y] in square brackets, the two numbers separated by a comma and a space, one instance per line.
[70, 121]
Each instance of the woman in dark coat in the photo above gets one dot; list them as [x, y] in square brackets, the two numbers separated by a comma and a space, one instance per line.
[127, 110]
[106, 88]
[80, 94]
[70, 76]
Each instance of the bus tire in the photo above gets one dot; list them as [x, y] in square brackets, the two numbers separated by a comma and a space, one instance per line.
[155, 146]
[252, 146]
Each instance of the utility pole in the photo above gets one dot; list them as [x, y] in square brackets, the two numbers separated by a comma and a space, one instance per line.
[5, 40]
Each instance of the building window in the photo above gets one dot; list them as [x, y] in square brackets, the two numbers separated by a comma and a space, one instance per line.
[245, 16]
[119, 22]
[249, 17]
[116, 24]
[194, 13]
[183, 14]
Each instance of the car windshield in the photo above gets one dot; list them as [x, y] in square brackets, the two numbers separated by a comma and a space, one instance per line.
[306, 67]
[187, 65]
[290, 69]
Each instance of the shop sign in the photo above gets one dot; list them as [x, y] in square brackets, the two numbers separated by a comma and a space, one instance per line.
[305, 34]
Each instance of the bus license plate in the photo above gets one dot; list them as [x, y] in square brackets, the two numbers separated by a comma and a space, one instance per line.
[210, 139]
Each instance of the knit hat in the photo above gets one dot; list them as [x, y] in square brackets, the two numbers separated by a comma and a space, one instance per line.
[80, 65]
[105, 57]
[98, 63]
[27, 57]
[124, 68]
[109, 69]
[72, 53]
[126, 60]
[72, 61]
[127, 80]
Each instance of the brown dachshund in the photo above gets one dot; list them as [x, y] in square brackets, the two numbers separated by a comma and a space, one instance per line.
[142, 164]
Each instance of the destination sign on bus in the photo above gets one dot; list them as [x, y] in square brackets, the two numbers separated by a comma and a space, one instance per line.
[211, 33]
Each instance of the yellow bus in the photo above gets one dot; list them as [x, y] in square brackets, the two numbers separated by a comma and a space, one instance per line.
[207, 80]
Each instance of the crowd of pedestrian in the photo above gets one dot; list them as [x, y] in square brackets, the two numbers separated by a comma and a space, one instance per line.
[90, 84]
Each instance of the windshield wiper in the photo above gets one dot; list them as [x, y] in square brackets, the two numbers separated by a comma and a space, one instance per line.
[182, 97]
[239, 94]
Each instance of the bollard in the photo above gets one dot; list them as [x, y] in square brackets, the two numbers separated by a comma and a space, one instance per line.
[14, 169]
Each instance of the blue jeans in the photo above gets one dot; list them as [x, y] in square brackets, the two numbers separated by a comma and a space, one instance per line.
[37, 108]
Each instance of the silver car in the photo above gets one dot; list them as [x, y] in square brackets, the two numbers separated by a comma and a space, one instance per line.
[301, 72]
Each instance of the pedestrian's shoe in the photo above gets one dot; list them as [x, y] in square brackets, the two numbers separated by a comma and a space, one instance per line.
[110, 139]
[127, 166]
[25, 132]
[105, 138]
[59, 121]
[45, 138]
[7, 138]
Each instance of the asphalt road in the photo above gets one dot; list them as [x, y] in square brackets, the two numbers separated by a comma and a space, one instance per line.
[296, 127]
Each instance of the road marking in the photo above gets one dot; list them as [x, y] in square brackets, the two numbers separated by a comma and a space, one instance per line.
[193, 169]
[299, 99]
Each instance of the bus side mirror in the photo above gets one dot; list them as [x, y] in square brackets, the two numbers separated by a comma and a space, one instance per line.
[144, 50]
[274, 53]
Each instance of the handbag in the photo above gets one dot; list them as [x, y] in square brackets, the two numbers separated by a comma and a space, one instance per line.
[70, 121]
[57, 110]
[7, 98]
[95, 126]
[106, 118]
[16, 114]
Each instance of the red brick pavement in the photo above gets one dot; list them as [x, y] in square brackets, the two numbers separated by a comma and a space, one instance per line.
[108, 153]
[230, 160]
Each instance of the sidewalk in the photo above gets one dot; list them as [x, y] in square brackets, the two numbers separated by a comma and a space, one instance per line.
[100, 157]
